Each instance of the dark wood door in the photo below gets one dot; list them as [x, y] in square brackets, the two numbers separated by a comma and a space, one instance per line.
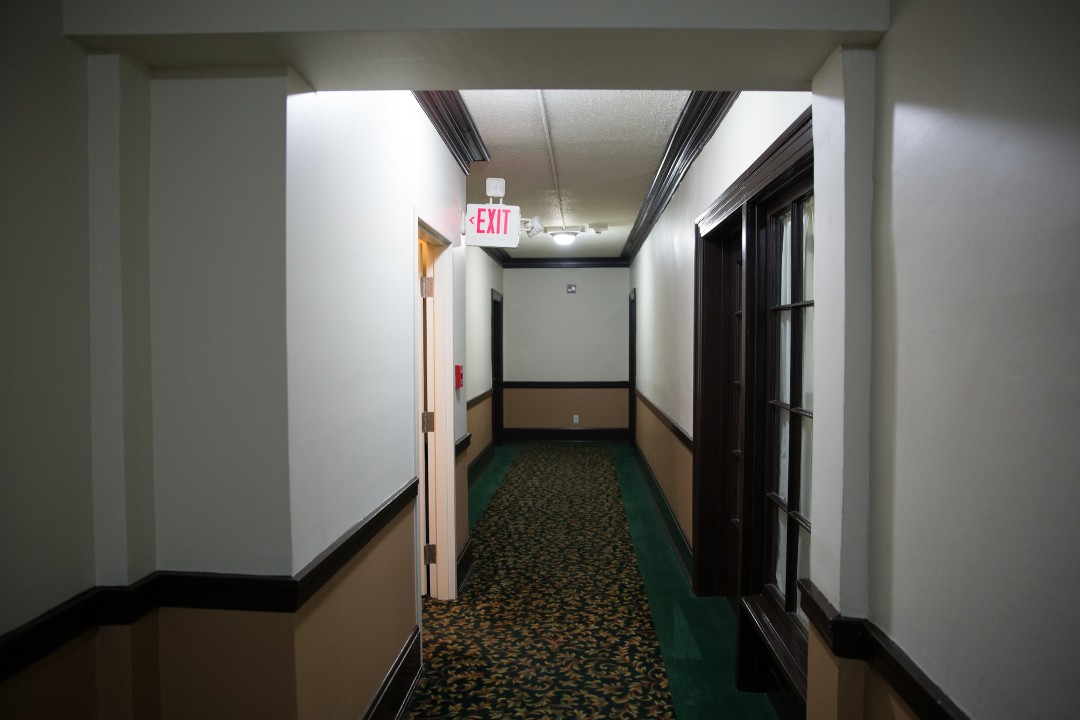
[496, 367]
[718, 411]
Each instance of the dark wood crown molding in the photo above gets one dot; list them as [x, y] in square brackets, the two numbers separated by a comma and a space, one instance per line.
[787, 156]
[563, 263]
[452, 120]
[702, 114]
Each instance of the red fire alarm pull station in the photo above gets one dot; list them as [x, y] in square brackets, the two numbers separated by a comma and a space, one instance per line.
[459, 376]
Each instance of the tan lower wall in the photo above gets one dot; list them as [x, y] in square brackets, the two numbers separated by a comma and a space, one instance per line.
[61, 686]
[881, 702]
[324, 662]
[479, 421]
[556, 407]
[671, 462]
[219, 664]
[844, 689]
[349, 634]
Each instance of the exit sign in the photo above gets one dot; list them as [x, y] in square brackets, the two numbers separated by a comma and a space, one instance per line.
[492, 225]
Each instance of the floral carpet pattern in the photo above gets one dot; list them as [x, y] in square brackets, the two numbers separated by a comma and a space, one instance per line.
[555, 622]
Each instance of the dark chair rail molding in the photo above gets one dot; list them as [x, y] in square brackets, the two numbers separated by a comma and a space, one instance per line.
[122, 605]
[565, 385]
[478, 399]
[668, 423]
[858, 638]
[462, 444]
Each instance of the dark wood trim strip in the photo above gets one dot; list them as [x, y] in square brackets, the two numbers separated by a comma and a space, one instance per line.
[859, 638]
[668, 423]
[566, 385]
[478, 399]
[675, 535]
[797, 142]
[480, 463]
[845, 636]
[499, 255]
[397, 687]
[122, 605]
[562, 263]
[462, 444]
[613, 435]
[779, 633]
[34, 640]
[466, 564]
[451, 118]
[320, 570]
[702, 114]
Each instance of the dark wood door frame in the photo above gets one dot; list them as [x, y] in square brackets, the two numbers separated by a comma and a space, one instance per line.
[632, 371]
[496, 367]
[718, 408]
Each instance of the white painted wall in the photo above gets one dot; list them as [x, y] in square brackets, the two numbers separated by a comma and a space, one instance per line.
[843, 107]
[461, 417]
[361, 167]
[482, 275]
[122, 427]
[46, 521]
[663, 271]
[217, 271]
[550, 335]
[976, 351]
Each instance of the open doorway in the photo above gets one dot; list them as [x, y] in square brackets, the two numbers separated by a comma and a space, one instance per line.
[436, 526]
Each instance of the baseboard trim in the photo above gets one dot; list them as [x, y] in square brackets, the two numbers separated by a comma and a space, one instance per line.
[615, 435]
[466, 564]
[676, 537]
[480, 463]
[858, 638]
[123, 605]
[397, 687]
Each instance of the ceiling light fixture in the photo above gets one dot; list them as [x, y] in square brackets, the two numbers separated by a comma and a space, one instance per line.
[563, 237]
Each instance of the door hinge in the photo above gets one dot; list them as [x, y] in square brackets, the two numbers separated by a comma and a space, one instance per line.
[427, 421]
[429, 554]
[427, 287]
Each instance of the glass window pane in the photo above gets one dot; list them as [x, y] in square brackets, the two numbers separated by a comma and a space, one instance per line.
[807, 400]
[783, 377]
[782, 447]
[783, 231]
[806, 429]
[804, 568]
[779, 565]
[808, 247]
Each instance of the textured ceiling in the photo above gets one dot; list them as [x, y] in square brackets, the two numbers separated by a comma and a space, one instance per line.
[572, 157]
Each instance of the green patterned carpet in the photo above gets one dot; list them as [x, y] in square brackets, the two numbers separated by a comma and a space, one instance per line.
[555, 622]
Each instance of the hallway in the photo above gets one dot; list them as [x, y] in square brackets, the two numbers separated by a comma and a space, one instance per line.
[577, 607]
